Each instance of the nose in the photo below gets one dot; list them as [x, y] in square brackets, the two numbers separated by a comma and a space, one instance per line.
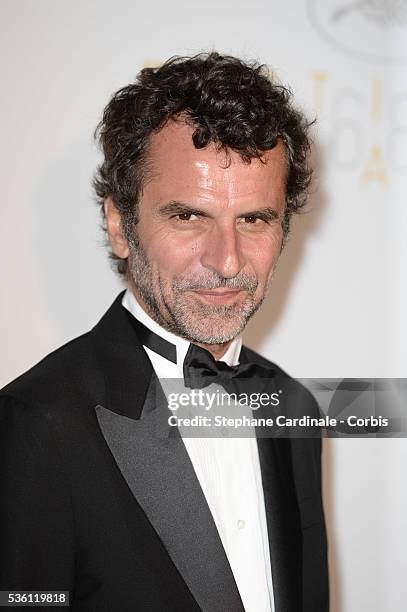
[223, 252]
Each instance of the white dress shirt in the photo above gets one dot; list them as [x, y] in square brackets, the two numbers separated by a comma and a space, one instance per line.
[228, 471]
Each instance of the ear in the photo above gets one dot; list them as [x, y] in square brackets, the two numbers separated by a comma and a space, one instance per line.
[114, 228]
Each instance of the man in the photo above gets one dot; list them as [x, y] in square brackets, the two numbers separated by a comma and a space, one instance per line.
[204, 164]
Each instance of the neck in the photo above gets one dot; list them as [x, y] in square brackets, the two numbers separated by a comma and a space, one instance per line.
[216, 350]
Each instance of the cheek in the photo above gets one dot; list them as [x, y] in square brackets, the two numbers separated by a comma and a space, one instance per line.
[262, 254]
[173, 256]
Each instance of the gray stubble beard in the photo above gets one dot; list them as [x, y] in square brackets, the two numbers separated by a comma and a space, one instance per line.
[183, 319]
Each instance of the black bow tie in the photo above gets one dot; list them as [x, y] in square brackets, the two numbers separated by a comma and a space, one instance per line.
[201, 370]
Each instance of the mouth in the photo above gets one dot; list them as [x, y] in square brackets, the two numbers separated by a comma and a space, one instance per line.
[218, 296]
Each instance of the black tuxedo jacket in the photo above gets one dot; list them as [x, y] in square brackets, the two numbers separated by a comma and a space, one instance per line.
[94, 502]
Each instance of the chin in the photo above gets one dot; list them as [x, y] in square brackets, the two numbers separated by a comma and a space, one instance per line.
[209, 324]
[214, 331]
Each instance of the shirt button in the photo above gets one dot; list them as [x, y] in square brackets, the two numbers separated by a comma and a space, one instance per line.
[241, 524]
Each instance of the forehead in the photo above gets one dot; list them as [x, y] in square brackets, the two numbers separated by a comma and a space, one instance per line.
[176, 164]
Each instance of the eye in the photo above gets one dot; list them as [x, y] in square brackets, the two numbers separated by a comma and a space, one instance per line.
[186, 216]
[252, 219]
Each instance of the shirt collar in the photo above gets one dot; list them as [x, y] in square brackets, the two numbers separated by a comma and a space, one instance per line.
[231, 357]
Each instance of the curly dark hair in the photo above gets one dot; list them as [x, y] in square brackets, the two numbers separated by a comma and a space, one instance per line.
[231, 103]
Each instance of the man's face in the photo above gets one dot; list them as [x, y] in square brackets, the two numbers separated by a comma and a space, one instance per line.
[208, 237]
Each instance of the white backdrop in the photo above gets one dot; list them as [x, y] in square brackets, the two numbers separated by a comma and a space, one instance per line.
[337, 306]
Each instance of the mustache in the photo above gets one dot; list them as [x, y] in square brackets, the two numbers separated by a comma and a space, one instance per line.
[216, 281]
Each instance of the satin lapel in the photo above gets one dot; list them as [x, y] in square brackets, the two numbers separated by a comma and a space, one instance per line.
[160, 475]
[283, 519]
[124, 363]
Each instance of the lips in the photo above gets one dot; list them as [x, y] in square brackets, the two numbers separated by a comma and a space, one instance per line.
[218, 291]
[218, 295]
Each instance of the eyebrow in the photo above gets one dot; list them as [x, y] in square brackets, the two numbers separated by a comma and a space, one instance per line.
[174, 207]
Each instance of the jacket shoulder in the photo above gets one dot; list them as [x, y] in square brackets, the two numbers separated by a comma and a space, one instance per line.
[64, 375]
